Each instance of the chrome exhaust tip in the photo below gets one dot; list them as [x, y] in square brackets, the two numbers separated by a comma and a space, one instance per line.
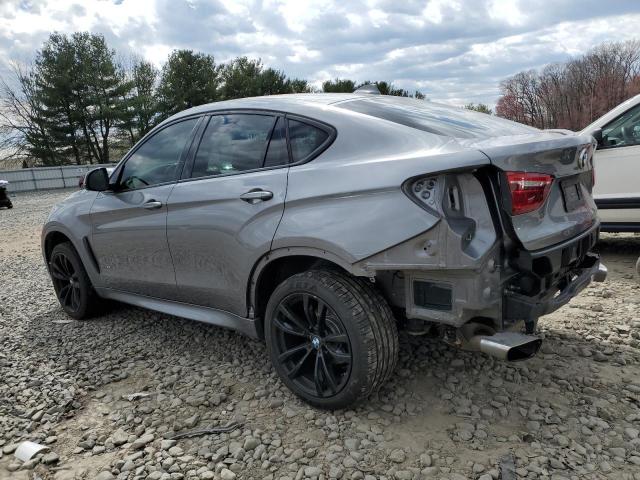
[509, 346]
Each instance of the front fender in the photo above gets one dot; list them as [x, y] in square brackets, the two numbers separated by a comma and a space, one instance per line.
[71, 219]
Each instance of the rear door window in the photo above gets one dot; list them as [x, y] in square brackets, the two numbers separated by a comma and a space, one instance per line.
[305, 139]
[233, 143]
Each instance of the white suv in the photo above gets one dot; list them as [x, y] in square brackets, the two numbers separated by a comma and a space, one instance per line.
[617, 167]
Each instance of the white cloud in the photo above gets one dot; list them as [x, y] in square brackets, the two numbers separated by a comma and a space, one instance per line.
[453, 50]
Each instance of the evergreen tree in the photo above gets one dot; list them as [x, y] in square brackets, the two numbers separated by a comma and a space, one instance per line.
[480, 107]
[339, 86]
[100, 88]
[141, 102]
[243, 78]
[188, 79]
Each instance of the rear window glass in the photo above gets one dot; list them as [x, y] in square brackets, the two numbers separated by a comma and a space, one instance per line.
[304, 139]
[436, 118]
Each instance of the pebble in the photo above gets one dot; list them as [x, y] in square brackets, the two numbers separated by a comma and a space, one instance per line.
[397, 456]
[226, 474]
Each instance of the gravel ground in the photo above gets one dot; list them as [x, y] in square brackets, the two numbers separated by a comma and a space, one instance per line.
[572, 412]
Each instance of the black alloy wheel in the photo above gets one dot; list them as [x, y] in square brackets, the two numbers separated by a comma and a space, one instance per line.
[71, 282]
[331, 337]
[66, 282]
[312, 345]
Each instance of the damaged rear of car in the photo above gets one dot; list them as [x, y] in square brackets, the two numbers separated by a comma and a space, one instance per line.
[511, 234]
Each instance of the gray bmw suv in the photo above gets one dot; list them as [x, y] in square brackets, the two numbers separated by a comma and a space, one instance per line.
[323, 223]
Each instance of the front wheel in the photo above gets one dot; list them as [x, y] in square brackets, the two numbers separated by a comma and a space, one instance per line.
[71, 282]
[331, 337]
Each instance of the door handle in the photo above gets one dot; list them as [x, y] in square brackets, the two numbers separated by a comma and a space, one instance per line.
[254, 196]
[152, 205]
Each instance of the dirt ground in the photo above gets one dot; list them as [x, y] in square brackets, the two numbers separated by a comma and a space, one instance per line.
[572, 412]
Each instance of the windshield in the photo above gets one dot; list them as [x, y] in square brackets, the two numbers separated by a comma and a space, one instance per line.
[436, 118]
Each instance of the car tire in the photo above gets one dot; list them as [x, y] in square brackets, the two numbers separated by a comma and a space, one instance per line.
[331, 337]
[71, 283]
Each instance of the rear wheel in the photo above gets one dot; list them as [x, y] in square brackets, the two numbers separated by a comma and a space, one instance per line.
[71, 282]
[331, 337]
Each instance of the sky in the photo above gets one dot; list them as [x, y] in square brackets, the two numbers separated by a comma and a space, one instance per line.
[454, 51]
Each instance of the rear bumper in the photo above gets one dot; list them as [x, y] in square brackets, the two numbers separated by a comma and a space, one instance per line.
[521, 307]
[529, 284]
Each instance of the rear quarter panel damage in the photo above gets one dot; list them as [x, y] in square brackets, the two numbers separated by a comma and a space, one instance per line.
[350, 200]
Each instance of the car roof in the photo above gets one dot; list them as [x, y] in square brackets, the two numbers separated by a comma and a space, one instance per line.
[282, 102]
[449, 120]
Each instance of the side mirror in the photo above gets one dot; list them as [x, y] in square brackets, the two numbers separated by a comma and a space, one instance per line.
[597, 134]
[97, 180]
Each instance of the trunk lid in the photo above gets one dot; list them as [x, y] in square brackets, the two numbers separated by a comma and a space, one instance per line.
[569, 208]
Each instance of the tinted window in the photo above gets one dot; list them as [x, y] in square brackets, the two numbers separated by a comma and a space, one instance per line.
[304, 139]
[157, 159]
[277, 153]
[436, 118]
[624, 130]
[233, 143]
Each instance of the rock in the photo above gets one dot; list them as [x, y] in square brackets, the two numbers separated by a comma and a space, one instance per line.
[312, 471]
[167, 444]
[335, 472]
[142, 441]
[226, 474]
[250, 443]
[403, 475]
[65, 475]
[192, 421]
[352, 443]
[397, 456]
[176, 451]
[105, 475]
[561, 440]
[425, 460]
[119, 437]
[49, 458]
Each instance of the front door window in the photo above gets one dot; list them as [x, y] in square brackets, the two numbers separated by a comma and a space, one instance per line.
[157, 160]
[623, 131]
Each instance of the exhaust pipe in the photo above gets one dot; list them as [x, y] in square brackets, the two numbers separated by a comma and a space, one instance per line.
[510, 346]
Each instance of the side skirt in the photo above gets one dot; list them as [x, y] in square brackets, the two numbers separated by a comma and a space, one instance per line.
[246, 326]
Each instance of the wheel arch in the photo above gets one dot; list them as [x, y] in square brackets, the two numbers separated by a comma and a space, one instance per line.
[278, 265]
[56, 234]
[51, 239]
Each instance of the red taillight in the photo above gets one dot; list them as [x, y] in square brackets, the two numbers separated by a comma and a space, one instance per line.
[528, 190]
